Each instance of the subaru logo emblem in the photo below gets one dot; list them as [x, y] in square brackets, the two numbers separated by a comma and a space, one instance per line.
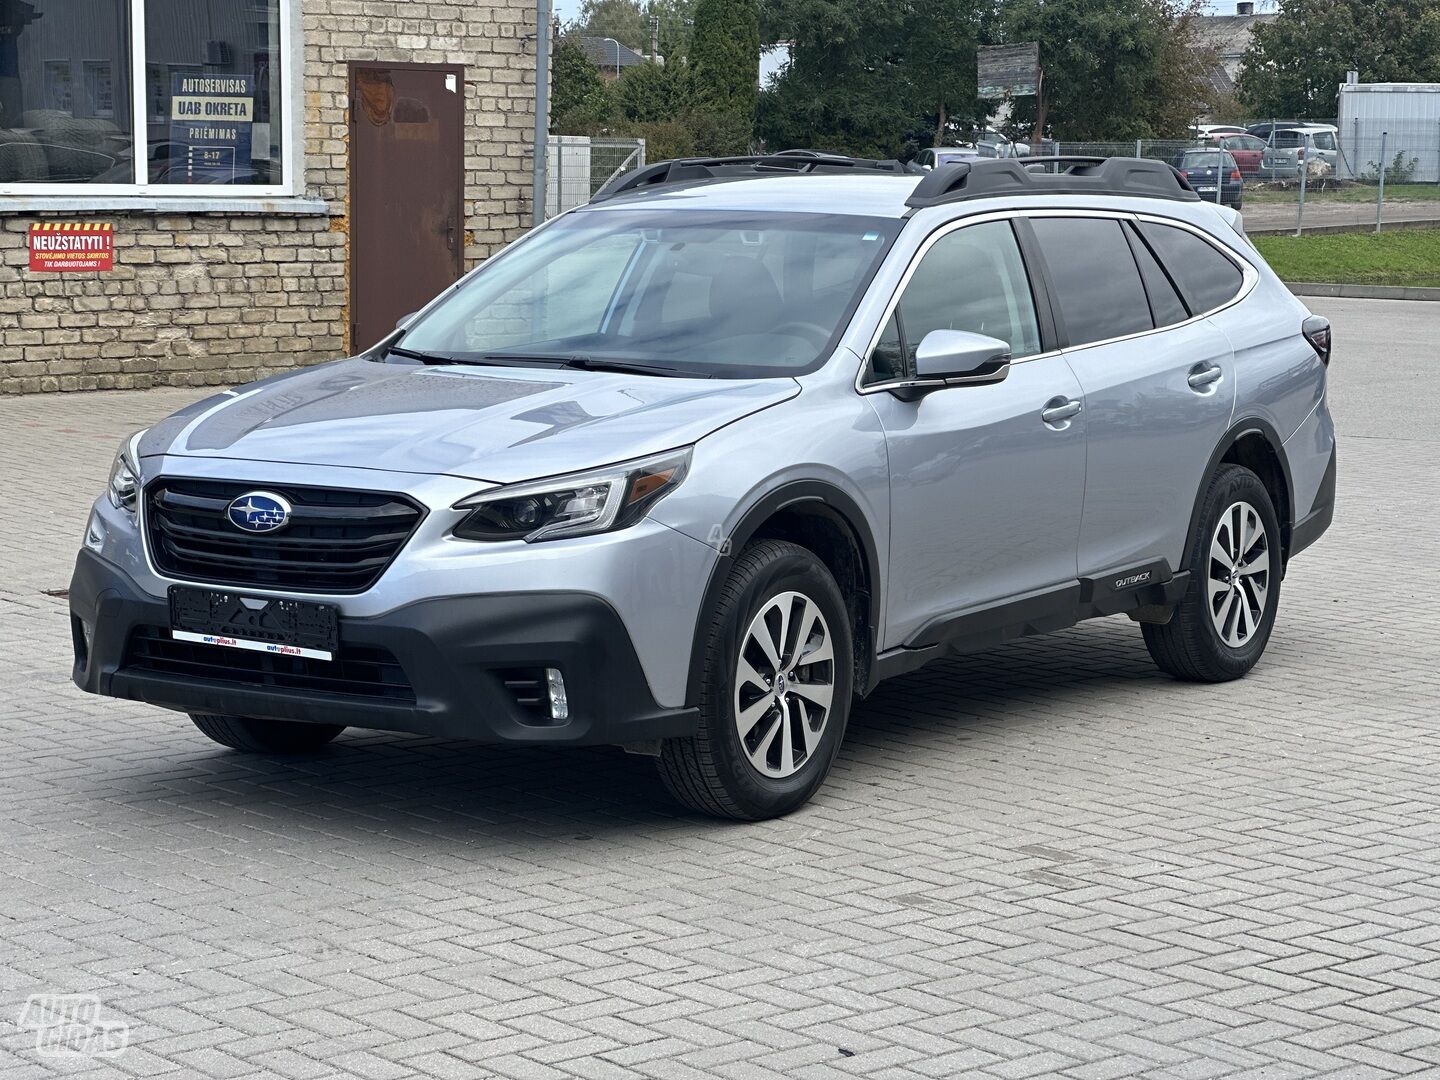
[259, 512]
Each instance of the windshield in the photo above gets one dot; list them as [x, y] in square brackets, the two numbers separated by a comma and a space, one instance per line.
[719, 294]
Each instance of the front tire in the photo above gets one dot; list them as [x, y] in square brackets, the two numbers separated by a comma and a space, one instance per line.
[775, 689]
[265, 736]
[1222, 624]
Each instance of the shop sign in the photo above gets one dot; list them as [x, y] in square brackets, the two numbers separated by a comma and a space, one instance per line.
[211, 121]
[57, 247]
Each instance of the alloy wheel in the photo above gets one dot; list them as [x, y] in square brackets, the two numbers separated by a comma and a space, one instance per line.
[1239, 579]
[784, 684]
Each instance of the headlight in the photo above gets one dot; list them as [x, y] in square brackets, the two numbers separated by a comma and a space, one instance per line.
[577, 505]
[124, 487]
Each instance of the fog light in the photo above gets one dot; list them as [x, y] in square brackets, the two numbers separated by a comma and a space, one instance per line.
[94, 533]
[559, 703]
[80, 635]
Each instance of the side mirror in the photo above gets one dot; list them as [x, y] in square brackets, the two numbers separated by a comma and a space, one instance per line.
[955, 358]
[405, 320]
[960, 357]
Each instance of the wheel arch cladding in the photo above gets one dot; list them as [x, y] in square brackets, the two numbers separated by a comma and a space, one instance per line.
[826, 521]
[1254, 444]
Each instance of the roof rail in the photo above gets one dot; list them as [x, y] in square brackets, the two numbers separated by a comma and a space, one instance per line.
[741, 167]
[1061, 175]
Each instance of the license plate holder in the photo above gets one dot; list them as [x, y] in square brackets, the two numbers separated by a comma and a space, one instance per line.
[257, 624]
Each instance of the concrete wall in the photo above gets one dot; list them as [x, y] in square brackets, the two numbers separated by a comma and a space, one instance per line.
[220, 298]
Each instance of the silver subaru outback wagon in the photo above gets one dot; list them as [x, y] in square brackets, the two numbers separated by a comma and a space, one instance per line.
[694, 467]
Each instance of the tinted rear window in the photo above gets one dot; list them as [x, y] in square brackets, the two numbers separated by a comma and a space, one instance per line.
[1096, 304]
[1207, 279]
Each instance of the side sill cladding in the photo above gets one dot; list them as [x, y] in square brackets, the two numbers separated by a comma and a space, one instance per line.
[811, 497]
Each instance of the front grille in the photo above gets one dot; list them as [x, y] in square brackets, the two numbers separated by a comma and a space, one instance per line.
[357, 670]
[338, 541]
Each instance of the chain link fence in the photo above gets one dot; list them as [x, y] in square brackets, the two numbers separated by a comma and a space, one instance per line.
[577, 166]
[1317, 176]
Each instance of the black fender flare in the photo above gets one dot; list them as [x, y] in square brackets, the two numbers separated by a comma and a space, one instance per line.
[831, 502]
[1251, 425]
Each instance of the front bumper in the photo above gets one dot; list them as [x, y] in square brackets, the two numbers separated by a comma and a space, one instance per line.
[454, 653]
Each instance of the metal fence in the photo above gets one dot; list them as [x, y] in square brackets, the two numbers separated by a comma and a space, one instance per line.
[577, 166]
[1371, 173]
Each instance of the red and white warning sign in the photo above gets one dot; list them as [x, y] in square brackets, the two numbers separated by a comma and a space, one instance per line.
[61, 246]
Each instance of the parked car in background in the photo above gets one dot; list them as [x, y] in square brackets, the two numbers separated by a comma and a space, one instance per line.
[945, 155]
[1205, 168]
[1294, 144]
[994, 144]
[1206, 131]
[1248, 151]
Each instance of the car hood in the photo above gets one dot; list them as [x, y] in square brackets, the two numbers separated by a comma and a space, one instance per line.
[497, 425]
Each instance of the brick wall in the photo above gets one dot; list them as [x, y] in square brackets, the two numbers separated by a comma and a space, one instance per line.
[224, 298]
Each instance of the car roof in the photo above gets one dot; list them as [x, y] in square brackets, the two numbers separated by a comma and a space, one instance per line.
[869, 194]
[865, 195]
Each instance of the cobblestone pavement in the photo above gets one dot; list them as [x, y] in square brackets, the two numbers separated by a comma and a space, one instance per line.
[1048, 860]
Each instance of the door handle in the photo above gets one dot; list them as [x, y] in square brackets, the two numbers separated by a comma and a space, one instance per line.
[1058, 410]
[1202, 375]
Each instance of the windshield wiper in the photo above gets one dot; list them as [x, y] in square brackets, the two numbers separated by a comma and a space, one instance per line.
[592, 363]
[495, 360]
[424, 357]
[571, 360]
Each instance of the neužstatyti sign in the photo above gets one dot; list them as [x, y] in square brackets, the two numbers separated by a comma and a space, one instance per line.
[1008, 70]
[58, 247]
[211, 121]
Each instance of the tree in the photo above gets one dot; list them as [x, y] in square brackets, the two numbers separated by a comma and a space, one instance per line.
[1296, 63]
[623, 20]
[942, 36]
[649, 93]
[872, 77]
[1105, 67]
[576, 88]
[725, 55]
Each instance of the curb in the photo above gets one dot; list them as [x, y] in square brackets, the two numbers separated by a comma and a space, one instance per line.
[1362, 292]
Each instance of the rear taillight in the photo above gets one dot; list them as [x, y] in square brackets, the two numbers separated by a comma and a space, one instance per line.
[1234, 174]
[1317, 333]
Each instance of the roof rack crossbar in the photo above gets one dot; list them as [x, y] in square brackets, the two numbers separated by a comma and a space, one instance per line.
[739, 167]
[1081, 175]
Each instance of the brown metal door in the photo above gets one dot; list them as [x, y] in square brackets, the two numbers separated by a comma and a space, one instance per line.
[406, 197]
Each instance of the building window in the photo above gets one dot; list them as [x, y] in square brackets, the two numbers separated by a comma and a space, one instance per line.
[204, 112]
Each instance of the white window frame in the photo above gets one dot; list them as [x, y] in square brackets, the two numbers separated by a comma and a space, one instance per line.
[141, 194]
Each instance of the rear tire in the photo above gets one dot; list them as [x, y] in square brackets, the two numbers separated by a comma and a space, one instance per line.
[265, 736]
[1223, 622]
[774, 693]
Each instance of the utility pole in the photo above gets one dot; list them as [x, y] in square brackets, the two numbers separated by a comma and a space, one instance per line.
[542, 107]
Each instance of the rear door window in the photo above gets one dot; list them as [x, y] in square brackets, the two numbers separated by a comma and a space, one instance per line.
[1206, 278]
[1323, 140]
[1095, 279]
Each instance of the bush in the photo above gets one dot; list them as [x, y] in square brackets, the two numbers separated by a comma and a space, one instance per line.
[1399, 171]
